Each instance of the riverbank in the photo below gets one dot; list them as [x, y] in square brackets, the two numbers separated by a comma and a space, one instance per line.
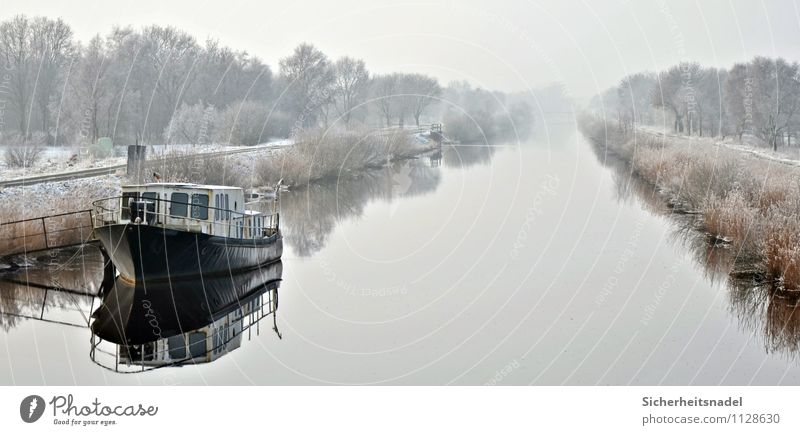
[319, 155]
[747, 203]
[316, 156]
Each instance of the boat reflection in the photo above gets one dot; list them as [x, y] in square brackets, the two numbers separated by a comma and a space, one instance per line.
[180, 322]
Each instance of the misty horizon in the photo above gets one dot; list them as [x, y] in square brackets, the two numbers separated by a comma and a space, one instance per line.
[510, 46]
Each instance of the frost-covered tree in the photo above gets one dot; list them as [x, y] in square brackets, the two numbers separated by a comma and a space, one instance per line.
[776, 97]
[421, 91]
[246, 123]
[16, 52]
[634, 95]
[385, 93]
[738, 101]
[351, 85]
[676, 91]
[308, 78]
[191, 124]
[52, 50]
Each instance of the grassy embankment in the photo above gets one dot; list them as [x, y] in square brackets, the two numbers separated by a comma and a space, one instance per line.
[318, 155]
[750, 204]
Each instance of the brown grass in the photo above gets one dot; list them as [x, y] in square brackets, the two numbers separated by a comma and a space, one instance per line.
[782, 250]
[38, 202]
[190, 167]
[751, 202]
[323, 154]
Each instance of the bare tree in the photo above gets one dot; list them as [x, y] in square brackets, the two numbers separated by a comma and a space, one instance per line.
[308, 78]
[385, 90]
[350, 86]
[91, 88]
[15, 48]
[676, 92]
[776, 97]
[191, 124]
[51, 47]
[166, 72]
[421, 91]
[634, 95]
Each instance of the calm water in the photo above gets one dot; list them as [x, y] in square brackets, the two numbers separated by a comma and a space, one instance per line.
[541, 263]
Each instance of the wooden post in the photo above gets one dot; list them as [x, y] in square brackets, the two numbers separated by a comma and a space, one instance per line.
[137, 155]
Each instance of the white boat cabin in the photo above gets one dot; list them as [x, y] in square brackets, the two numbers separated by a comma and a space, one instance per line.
[207, 209]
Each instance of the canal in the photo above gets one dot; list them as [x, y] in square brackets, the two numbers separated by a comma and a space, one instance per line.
[542, 262]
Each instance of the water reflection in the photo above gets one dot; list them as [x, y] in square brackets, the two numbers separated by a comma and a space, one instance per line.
[178, 322]
[464, 156]
[310, 215]
[150, 325]
[57, 286]
[761, 308]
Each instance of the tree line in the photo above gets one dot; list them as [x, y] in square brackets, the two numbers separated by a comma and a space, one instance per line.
[758, 99]
[160, 84]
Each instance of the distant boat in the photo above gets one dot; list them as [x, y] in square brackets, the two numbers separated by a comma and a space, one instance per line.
[159, 231]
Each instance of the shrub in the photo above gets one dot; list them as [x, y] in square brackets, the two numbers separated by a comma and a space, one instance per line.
[251, 123]
[782, 250]
[319, 154]
[190, 167]
[23, 152]
[22, 156]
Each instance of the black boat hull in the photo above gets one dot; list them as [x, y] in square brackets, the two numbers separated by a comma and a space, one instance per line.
[150, 253]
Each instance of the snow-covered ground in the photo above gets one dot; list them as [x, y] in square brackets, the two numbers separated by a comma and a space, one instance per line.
[212, 148]
[45, 198]
[55, 160]
[66, 159]
[784, 155]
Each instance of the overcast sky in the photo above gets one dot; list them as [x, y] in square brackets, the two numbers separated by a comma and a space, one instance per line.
[585, 46]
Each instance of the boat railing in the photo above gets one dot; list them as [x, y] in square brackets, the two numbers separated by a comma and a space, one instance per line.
[218, 221]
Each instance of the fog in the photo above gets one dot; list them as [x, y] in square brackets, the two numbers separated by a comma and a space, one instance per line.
[504, 45]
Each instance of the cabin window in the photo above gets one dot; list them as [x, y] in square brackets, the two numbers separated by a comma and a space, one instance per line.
[227, 208]
[177, 347]
[152, 197]
[197, 344]
[216, 207]
[179, 205]
[217, 342]
[200, 206]
[127, 199]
